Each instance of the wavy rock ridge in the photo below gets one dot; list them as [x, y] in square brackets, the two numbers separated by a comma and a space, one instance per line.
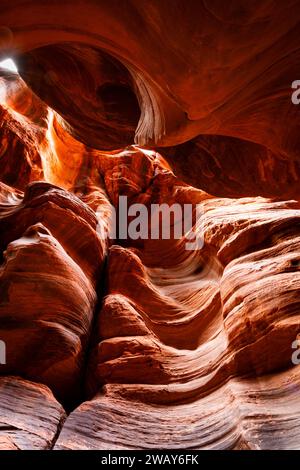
[123, 343]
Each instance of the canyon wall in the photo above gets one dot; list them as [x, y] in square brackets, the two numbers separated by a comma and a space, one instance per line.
[123, 342]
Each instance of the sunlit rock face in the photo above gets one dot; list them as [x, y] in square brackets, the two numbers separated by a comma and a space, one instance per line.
[115, 342]
[162, 76]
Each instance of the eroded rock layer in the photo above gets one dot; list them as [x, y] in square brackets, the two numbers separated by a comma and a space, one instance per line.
[148, 339]
[241, 414]
[31, 418]
[52, 259]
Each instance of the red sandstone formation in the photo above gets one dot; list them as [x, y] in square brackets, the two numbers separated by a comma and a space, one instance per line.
[30, 415]
[144, 343]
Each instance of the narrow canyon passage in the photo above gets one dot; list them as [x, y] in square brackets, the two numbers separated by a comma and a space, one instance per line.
[176, 329]
[124, 340]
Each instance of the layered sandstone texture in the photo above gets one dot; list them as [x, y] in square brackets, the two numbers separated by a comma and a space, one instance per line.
[122, 342]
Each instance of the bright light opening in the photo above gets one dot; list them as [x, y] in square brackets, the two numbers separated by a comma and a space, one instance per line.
[9, 64]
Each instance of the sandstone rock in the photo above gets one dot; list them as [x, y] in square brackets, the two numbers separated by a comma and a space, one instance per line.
[25, 166]
[169, 75]
[152, 345]
[177, 324]
[31, 418]
[48, 286]
[242, 413]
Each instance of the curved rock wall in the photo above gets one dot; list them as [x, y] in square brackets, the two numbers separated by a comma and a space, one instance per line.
[138, 342]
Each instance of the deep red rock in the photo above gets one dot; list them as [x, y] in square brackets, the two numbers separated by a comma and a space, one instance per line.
[150, 344]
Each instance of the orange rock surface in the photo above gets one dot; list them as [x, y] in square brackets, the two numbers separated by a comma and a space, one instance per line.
[116, 342]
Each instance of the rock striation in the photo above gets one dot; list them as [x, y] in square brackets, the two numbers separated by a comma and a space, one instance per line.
[31, 418]
[113, 341]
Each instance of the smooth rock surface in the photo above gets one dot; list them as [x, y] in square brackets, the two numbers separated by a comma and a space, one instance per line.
[148, 344]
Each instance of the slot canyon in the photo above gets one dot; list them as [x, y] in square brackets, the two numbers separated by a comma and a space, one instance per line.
[123, 342]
